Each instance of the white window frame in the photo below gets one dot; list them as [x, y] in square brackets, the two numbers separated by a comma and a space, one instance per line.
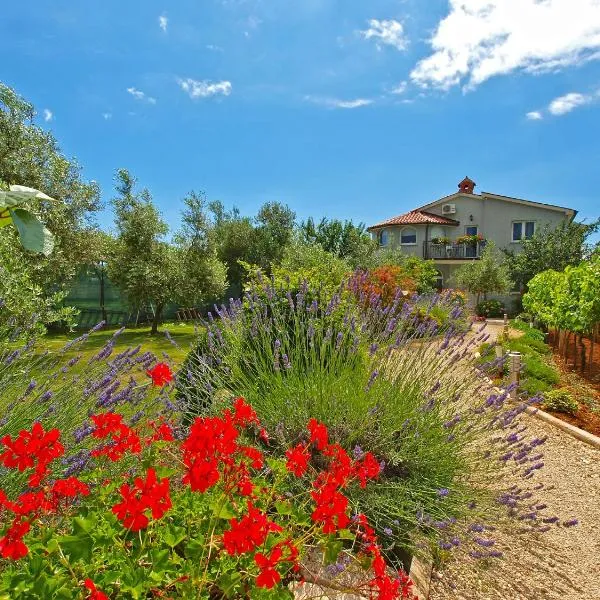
[408, 243]
[523, 225]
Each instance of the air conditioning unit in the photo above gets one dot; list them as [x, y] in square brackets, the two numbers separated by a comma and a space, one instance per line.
[448, 209]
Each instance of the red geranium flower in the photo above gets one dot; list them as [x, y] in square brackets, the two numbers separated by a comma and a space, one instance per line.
[268, 575]
[367, 469]
[297, 460]
[249, 532]
[151, 494]
[35, 448]
[244, 413]
[70, 488]
[318, 434]
[11, 545]
[95, 593]
[160, 373]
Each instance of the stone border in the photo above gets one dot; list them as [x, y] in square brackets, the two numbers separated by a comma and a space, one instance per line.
[576, 432]
[420, 574]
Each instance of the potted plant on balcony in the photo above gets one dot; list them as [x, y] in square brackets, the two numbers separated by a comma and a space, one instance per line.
[470, 240]
[442, 241]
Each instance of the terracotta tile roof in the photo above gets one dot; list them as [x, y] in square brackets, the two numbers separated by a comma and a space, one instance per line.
[416, 217]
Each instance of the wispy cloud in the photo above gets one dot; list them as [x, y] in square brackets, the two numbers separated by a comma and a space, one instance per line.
[163, 22]
[534, 115]
[107, 116]
[400, 88]
[214, 48]
[139, 95]
[204, 89]
[386, 33]
[337, 103]
[564, 104]
[479, 40]
[48, 115]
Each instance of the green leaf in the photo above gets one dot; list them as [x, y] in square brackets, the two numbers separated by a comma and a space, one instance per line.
[173, 535]
[283, 508]
[332, 550]
[223, 510]
[81, 525]
[195, 548]
[32, 232]
[160, 559]
[228, 583]
[346, 534]
[78, 547]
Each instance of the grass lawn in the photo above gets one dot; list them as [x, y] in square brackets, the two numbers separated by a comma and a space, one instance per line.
[182, 333]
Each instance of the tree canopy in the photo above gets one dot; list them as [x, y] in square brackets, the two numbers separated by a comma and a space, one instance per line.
[488, 275]
[551, 247]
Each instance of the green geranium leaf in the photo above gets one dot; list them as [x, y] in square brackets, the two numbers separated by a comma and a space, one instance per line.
[195, 549]
[174, 535]
[78, 547]
[223, 510]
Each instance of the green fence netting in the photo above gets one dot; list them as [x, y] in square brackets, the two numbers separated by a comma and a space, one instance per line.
[85, 295]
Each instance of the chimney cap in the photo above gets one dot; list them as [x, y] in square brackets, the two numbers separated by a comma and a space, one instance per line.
[466, 186]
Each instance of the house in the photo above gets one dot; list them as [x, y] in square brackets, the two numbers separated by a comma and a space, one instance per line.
[454, 229]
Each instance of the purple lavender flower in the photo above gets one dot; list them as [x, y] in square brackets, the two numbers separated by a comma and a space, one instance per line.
[443, 492]
[372, 378]
[484, 542]
[387, 531]
[570, 523]
[358, 452]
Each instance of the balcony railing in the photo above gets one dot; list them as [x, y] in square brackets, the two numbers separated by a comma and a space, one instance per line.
[452, 251]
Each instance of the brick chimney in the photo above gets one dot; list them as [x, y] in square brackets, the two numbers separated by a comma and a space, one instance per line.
[466, 186]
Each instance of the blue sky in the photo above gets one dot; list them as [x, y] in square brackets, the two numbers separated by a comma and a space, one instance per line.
[338, 108]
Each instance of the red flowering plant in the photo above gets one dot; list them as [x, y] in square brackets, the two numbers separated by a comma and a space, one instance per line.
[207, 514]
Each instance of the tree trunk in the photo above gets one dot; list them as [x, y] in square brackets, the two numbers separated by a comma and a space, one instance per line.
[156, 320]
[582, 351]
[102, 306]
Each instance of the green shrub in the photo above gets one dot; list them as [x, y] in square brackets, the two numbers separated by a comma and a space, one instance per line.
[490, 308]
[560, 401]
[537, 369]
[534, 387]
[528, 345]
[527, 329]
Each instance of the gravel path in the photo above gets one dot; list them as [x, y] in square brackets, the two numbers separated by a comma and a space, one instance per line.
[561, 564]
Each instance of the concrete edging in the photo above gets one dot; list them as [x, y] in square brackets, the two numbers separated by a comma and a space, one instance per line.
[580, 434]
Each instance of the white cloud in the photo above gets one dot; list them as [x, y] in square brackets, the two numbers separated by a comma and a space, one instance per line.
[139, 95]
[387, 32]
[204, 89]
[214, 48]
[336, 103]
[48, 115]
[107, 116]
[564, 104]
[534, 115]
[400, 88]
[163, 22]
[480, 39]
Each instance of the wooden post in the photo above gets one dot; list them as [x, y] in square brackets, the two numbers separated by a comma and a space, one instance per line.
[515, 373]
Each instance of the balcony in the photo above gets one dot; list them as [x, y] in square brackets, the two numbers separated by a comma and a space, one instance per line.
[452, 251]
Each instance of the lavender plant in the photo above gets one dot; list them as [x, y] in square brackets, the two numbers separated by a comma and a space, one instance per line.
[384, 377]
[62, 389]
